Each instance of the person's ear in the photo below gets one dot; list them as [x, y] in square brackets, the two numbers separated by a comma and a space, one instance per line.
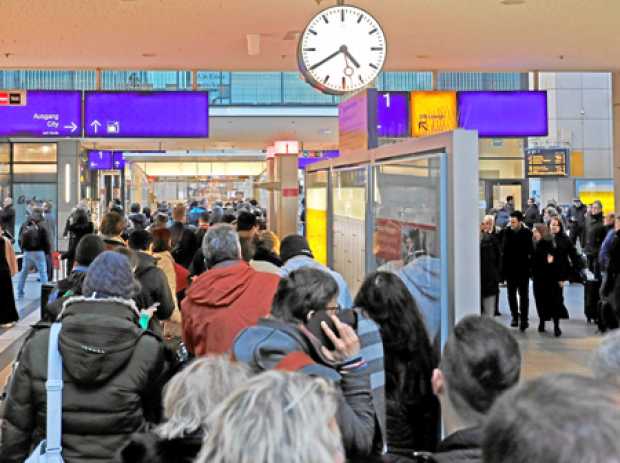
[438, 382]
[310, 315]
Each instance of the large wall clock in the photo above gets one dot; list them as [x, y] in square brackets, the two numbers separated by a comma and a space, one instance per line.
[342, 49]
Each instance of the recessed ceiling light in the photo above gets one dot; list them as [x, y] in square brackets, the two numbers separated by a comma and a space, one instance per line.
[149, 55]
[512, 2]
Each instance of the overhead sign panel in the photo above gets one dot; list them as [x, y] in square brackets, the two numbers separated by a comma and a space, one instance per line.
[504, 114]
[46, 113]
[146, 114]
[393, 114]
[432, 112]
[100, 160]
[547, 162]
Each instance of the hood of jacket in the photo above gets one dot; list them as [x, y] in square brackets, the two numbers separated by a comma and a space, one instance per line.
[221, 285]
[73, 282]
[462, 446]
[98, 337]
[138, 219]
[422, 277]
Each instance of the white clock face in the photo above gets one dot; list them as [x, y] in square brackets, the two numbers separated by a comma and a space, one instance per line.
[342, 49]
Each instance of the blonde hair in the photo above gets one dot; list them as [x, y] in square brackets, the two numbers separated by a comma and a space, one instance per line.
[269, 240]
[275, 417]
[192, 394]
[489, 218]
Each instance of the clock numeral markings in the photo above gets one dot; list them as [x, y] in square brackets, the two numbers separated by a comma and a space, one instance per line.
[309, 49]
[344, 82]
[360, 78]
[373, 31]
[359, 20]
[374, 66]
[312, 31]
[325, 19]
[326, 79]
[342, 15]
[376, 48]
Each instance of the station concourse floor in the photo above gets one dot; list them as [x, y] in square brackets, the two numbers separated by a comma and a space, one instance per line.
[542, 353]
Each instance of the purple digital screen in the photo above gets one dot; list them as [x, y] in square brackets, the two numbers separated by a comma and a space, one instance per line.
[54, 113]
[504, 114]
[312, 158]
[146, 114]
[393, 114]
[118, 161]
[100, 160]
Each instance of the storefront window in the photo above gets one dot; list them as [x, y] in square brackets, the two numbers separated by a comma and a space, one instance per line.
[34, 152]
[5, 158]
[501, 168]
[316, 214]
[349, 199]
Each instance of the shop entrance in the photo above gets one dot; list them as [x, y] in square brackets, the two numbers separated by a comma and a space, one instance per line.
[496, 192]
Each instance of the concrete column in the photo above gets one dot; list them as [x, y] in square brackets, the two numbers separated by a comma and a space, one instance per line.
[68, 184]
[615, 101]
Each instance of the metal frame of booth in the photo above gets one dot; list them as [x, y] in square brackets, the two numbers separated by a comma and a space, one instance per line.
[455, 155]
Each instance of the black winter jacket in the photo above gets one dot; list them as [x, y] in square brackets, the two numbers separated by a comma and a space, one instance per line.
[73, 285]
[112, 383]
[460, 447]
[568, 262]
[76, 232]
[155, 287]
[517, 253]
[184, 244]
[490, 265]
[595, 234]
[532, 216]
[43, 242]
[150, 448]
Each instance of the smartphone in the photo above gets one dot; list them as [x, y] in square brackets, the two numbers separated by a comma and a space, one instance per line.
[348, 317]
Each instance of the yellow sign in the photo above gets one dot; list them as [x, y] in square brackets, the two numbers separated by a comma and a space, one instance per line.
[432, 112]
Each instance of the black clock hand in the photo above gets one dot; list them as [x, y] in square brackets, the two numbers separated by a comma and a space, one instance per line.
[347, 54]
[324, 60]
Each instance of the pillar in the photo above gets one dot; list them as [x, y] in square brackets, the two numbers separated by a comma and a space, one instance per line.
[616, 135]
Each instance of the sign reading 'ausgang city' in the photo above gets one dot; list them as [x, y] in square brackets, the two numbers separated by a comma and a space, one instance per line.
[146, 114]
[45, 114]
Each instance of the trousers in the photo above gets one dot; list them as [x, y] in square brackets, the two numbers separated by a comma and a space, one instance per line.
[519, 309]
[34, 259]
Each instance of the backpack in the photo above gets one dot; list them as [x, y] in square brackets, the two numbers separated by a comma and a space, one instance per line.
[31, 236]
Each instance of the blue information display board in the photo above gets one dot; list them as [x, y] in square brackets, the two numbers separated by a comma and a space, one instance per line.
[393, 114]
[47, 113]
[146, 114]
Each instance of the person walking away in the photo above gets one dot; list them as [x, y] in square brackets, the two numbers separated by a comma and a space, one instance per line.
[78, 226]
[8, 269]
[516, 266]
[595, 235]
[113, 372]
[184, 241]
[532, 214]
[490, 266]
[603, 255]
[576, 217]
[35, 244]
[7, 217]
[547, 282]
[112, 226]
[161, 251]
[137, 219]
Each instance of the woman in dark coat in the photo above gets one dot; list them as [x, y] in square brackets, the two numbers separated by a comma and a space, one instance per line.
[547, 280]
[490, 271]
[412, 409]
[569, 264]
[8, 268]
[77, 227]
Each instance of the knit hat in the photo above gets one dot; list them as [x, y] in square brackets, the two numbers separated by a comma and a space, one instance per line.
[89, 247]
[294, 245]
[110, 275]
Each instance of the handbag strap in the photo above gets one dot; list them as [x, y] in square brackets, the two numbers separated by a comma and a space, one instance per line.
[54, 386]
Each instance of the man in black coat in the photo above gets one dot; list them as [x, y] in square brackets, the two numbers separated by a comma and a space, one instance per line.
[518, 249]
[155, 287]
[184, 240]
[7, 217]
[595, 235]
[576, 217]
[532, 213]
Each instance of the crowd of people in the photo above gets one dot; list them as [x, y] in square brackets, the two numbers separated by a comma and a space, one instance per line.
[551, 248]
[194, 334]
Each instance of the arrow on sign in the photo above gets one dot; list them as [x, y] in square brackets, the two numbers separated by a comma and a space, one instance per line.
[72, 126]
[95, 125]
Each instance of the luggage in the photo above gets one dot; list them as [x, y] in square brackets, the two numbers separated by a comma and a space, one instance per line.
[591, 299]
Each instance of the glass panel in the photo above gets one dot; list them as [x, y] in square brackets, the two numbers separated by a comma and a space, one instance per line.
[5, 186]
[349, 227]
[217, 84]
[501, 147]
[28, 195]
[48, 80]
[316, 214]
[298, 91]
[501, 192]
[34, 152]
[501, 168]
[407, 237]
[405, 81]
[482, 81]
[146, 80]
[256, 88]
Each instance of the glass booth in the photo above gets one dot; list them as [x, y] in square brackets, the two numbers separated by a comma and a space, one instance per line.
[410, 208]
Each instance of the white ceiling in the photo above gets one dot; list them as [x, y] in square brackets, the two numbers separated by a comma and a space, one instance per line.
[211, 34]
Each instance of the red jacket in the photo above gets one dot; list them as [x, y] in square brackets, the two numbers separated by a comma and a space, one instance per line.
[223, 301]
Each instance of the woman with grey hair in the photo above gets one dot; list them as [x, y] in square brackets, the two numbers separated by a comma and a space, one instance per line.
[276, 417]
[190, 397]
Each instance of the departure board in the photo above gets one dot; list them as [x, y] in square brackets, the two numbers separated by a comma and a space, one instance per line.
[547, 162]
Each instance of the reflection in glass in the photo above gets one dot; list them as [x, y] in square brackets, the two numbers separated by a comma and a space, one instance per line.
[34, 152]
[349, 199]
[316, 214]
[407, 230]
